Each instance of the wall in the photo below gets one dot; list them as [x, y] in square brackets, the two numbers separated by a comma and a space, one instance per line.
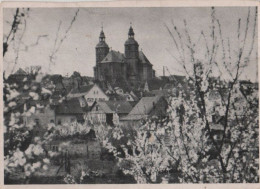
[111, 70]
[95, 94]
[97, 115]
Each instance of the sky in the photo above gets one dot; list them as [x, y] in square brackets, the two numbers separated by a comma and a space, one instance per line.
[77, 52]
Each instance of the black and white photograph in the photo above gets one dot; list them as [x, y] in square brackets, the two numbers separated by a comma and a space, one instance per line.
[130, 95]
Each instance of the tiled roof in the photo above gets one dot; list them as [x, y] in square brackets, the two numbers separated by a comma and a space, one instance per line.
[102, 44]
[104, 106]
[120, 106]
[71, 106]
[143, 59]
[115, 106]
[145, 105]
[114, 56]
[131, 41]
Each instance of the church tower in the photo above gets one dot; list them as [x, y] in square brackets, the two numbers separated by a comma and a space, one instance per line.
[132, 55]
[102, 50]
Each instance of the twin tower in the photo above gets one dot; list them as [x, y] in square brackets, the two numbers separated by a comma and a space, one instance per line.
[132, 66]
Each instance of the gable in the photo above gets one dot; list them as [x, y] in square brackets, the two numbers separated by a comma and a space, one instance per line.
[96, 92]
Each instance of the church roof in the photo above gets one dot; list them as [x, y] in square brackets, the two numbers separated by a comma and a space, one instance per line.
[131, 31]
[102, 34]
[143, 58]
[102, 44]
[131, 41]
[114, 56]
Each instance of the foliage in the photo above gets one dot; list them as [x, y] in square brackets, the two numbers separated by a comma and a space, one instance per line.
[211, 134]
[23, 151]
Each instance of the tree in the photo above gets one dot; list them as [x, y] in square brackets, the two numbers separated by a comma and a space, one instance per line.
[24, 152]
[212, 131]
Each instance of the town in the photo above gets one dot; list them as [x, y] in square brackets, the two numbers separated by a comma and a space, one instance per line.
[98, 129]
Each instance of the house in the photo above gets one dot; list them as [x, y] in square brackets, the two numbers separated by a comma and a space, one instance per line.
[91, 93]
[147, 107]
[70, 110]
[108, 112]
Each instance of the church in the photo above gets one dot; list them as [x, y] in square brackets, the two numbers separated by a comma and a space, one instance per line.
[133, 65]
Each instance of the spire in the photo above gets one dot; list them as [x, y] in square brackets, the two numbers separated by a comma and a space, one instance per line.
[102, 42]
[102, 34]
[131, 31]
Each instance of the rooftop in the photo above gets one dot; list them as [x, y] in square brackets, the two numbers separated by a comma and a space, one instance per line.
[114, 56]
[145, 105]
[71, 106]
[122, 107]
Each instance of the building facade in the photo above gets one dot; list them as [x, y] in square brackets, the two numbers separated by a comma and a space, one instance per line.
[91, 93]
[133, 65]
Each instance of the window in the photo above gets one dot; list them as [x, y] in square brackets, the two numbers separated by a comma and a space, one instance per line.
[90, 99]
[97, 92]
[59, 121]
[42, 110]
[51, 121]
[96, 108]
